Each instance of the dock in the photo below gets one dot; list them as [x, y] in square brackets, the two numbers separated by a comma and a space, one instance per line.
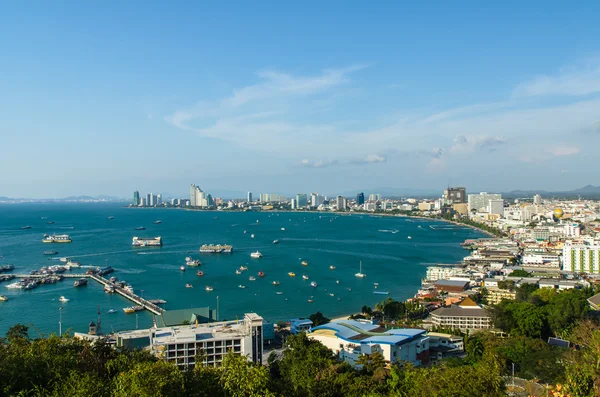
[138, 300]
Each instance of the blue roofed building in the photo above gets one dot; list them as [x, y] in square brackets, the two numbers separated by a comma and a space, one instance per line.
[349, 339]
[299, 325]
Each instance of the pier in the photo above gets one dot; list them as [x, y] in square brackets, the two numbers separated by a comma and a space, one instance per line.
[138, 300]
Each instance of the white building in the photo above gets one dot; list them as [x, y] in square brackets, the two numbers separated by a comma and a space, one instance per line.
[349, 339]
[197, 197]
[541, 260]
[316, 200]
[572, 230]
[481, 201]
[181, 344]
[496, 207]
[581, 257]
[467, 315]
[435, 273]
[537, 200]
[374, 197]
[249, 198]
[341, 203]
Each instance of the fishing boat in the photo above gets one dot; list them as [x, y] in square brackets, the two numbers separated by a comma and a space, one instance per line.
[256, 255]
[331, 267]
[241, 286]
[304, 263]
[261, 274]
[63, 299]
[252, 278]
[238, 271]
[243, 268]
[209, 288]
[200, 273]
[189, 286]
[111, 311]
[305, 277]
[3, 298]
[275, 283]
[360, 274]
[292, 274]
[313, 284]
[182, 268]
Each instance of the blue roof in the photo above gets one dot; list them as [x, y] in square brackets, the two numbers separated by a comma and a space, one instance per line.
[300, 321]
[360, 333]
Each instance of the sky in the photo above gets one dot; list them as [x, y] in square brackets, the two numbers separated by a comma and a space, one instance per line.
[284, 97]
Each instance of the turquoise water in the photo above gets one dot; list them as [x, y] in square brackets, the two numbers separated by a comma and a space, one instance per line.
[389, 257]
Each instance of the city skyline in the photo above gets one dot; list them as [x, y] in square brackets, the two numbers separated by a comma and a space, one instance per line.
[278, 97]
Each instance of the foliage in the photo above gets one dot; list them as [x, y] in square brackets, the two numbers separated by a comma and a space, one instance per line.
[318, 319]
[520, 273]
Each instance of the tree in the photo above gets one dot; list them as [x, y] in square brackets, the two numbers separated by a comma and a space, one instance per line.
[520, 273]
[366, 310]
[318, 319]
[371, 362]
[241, 378]
[565, 308]
[151, 379]
[393, 310]
[525, 290]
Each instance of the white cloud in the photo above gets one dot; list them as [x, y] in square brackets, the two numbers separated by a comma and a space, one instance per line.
[574, 81]
[563, 150]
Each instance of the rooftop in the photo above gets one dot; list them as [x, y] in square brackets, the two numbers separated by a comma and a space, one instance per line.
[364, 333]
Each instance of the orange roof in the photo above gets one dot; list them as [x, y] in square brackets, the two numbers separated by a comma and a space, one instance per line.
[468, 302]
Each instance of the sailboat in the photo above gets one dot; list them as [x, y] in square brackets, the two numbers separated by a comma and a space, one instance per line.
[360, 274]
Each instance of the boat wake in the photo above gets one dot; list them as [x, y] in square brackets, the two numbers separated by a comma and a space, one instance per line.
[362, 255]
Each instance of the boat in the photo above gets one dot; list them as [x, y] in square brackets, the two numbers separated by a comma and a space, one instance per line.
[193, 262]
[216, 249]
[16, 285]
[25, 227]
[283, 228]
[256, 255]
[156, 222]
[158, 301]
[56, 238]
[51, 222]
[238, 271]
[279, 292]
[209, 288]
[189, 286]
[109, 289]
[375, 285]
[261, 274]
[305, 277]
[304, 263]
[63, 299]
[349, 289]
[360, 274]
[313, 284]
[252, 278]
[182, 268]
[292, 274]
[3, 298]
[110, 217]
[113, 279]
[275, 241]
[331, 294]
[140, 228]
[381, 292]
[310, 301]
[128, 288]
[244, 232]
[129, 310]
[64, 259]
[111, 311]
[409, 237]
[252, 236]
[6, 268]
[337, 281]
[241, 286]
[243, 268]
[200, 273]
[146, 242]
[50, 252]
[275, 283]
[331, 267]
[80, 283]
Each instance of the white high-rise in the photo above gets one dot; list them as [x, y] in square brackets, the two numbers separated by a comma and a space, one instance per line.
[581, 257]
[249, 199]
[496, 207]
[481, 201]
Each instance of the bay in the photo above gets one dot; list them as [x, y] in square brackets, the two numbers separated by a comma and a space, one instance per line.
[382, 243]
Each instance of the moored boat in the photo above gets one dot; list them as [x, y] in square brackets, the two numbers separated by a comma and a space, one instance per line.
[313, 284]
[304, 263]
[50, 252]
[63, 299]
[56, 238]
[209, 288]
[80, 283]
[256, 255]
[200, 273]
[292, 274]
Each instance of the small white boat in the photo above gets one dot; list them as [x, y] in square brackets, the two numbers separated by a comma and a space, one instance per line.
[244, 232]
[182, 268]
[331, 294]
[275, 241]
[241, 286]
[252, 236]
[252, 278]
[331, 267]
[256, 255]
[111, 311]
[209, 288]
[305, 277]
[238, 271]
[360, 274]
[313, 284]
[189, 286]
[409, 237]
[63, 299]
[3, 298]
[337, 281]
[242, 268]
[279, 293]
[275, 283]
[283, 228]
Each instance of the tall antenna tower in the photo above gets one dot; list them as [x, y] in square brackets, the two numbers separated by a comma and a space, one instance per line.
[98, 323]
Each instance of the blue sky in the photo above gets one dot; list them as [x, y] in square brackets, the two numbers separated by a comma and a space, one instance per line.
[106, 98]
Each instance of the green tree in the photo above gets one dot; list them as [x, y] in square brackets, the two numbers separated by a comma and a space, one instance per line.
[318, 319]
[520, 273]
[241, 378]
[151, 379]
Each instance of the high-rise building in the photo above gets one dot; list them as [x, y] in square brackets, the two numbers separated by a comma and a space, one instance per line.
[341, 203]
[496, 207]
[249, 199]
[197, 197]
[581, 257]
[136, 198]
[360, 198]
[152, 199]
[158, 199]
[455, 195]
[192, 195]
[481, 201]
[537, 199]
[264, 197]
[316, 200]
[148, 199]
[301, 200]
[293, 204]
[374, 197]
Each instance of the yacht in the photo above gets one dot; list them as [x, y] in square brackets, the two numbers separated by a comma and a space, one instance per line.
[3, 298]
[243, 268]
[111, 311]
[313, 284]
[360, 274]
[252, 278]
[238, 271]
[292, 274]
[305, 277]
[241, 286]
[331, 267]
[189, 286]
[256, 255]
[209, 288]
[304, 263]
[275, 283]
[63, 299]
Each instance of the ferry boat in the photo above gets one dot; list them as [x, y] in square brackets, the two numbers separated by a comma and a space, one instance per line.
[146, 242]
[56, 238]
[275, 283]
[313, 284]
[200, 273]
[256, 255]
[252, 278]
[305, 277]
[50, 252]
[63, 299]
[241, 286]
[292, 274]
[304, 263]
[3, 298]
[261, 274]
[80, 283]
[360, 274]
[189, 286]
[209, 288]
[331, 267]
[216, 249]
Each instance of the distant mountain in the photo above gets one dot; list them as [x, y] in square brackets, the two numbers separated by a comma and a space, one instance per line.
[588, 191]
[101, 198]
[394, 192]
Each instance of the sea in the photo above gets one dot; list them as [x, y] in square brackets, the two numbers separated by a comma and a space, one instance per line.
[394, 252]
